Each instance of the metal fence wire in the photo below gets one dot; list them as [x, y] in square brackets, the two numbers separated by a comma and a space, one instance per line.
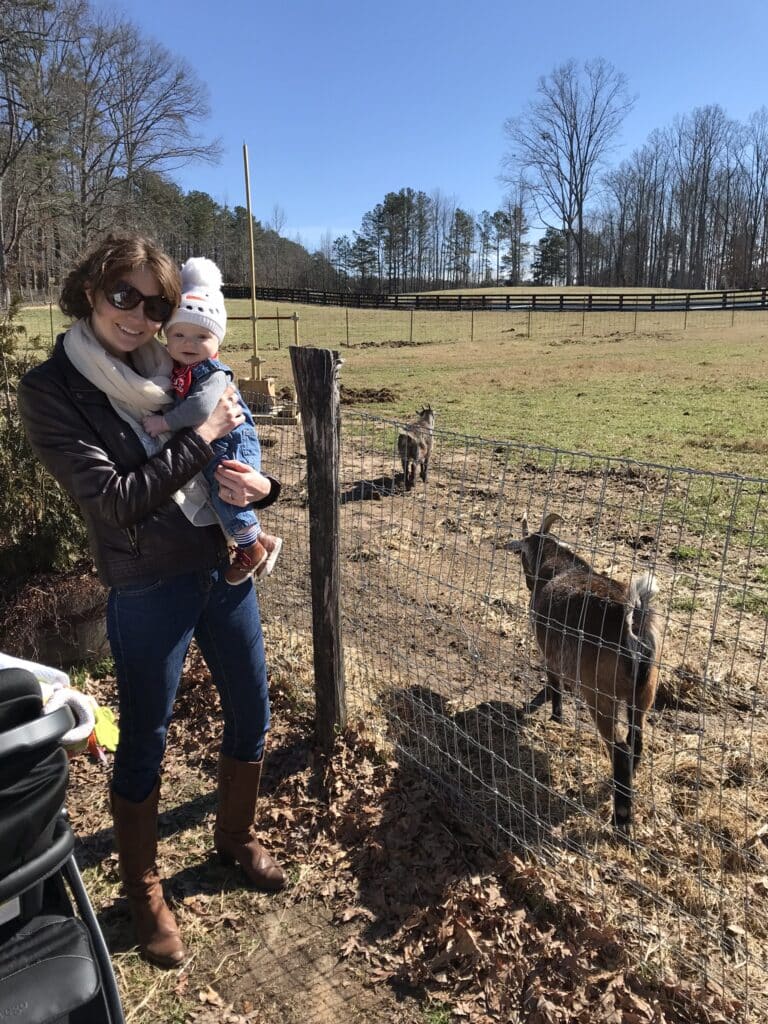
[440, 654]
[363, 328]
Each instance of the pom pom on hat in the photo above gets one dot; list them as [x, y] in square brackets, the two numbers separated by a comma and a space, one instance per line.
[201, 300]
[199, 272]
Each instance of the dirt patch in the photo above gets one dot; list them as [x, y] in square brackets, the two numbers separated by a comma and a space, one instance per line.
[301, 972]
[392, 344]
[354, 396]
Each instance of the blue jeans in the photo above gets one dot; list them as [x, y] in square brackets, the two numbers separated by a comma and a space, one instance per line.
[241, 444]
[150, 627]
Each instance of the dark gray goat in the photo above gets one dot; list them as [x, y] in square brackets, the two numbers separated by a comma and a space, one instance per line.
[414, 445]
[600, 635]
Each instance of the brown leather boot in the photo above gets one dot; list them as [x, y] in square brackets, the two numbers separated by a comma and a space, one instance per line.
[136, 839]
[247, 562]
[234, 837]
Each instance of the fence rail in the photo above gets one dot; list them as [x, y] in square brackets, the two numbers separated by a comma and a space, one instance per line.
[562, 302]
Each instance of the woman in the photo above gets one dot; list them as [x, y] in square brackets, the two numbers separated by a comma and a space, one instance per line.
[82, 411]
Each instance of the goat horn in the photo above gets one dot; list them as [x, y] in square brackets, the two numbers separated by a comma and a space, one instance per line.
[548, 520]
[525, 525]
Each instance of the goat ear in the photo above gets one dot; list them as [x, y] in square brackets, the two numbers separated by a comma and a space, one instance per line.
[525, 525]
[548, 521]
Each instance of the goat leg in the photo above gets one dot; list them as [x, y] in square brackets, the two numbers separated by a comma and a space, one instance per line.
[556, 696]
[622, 787]
[636, 718]
[551, 691]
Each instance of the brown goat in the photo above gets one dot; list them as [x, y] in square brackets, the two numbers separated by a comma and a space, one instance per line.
[600, 635]
[414, 445]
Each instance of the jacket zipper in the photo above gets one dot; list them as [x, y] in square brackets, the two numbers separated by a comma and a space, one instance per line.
[133, 539]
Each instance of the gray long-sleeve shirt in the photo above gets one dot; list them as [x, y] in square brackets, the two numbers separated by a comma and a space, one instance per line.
[199, 403]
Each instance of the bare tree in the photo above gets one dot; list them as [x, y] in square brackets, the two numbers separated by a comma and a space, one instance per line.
[274, 228]
[156, 103]
[129, 108]
[699, 145]
[560, 142]
[512, 220]
[753, 167]
[34, 37]
[444, 208]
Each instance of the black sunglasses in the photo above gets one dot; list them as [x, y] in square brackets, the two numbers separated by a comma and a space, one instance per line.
[124, 296]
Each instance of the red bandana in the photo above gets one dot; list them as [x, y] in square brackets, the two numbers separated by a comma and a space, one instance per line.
[181, 379]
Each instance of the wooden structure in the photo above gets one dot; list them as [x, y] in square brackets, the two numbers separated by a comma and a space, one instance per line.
[316, 372]
[258, 391]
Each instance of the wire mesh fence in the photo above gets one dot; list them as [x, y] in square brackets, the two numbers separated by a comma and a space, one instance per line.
[285, 599]
[440, 654]
[348, 327]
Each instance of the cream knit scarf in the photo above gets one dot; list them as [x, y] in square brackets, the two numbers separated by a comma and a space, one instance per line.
[134, 394]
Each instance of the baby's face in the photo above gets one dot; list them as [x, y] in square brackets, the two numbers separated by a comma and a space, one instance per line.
[189, 344]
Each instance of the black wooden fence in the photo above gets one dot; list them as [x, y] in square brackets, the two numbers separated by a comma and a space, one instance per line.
[592, 302]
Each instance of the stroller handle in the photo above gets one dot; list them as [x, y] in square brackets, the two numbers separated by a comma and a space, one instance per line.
[42, 866]
[23, 739]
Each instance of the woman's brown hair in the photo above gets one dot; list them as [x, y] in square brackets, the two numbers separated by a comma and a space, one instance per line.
[113, 258]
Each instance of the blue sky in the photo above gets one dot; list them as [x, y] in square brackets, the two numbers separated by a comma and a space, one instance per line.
[341, 102]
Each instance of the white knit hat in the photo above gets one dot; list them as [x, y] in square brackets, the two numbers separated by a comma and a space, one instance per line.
[201, 300]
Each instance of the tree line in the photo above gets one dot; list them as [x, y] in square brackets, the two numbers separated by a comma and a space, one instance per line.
[687, 209]
[95, 119]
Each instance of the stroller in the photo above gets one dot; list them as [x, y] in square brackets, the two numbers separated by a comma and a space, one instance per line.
[54, 963]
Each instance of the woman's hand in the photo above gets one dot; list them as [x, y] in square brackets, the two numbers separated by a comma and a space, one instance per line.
[227, 415]
[240, 484]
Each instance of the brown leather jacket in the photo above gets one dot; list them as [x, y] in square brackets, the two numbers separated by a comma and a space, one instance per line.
[136, 531]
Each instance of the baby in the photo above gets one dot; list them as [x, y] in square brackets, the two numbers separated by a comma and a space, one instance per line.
[193, 335]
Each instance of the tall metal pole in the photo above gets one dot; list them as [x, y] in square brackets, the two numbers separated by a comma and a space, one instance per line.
[255, 361]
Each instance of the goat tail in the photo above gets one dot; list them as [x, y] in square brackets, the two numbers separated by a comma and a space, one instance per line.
[642, 627]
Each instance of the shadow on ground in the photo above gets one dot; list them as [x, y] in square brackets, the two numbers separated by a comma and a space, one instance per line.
[375, 489]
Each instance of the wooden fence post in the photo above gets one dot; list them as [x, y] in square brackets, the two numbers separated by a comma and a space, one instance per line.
[316, 373]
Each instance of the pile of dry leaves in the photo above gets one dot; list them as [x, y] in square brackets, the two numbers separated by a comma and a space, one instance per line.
[425, 908]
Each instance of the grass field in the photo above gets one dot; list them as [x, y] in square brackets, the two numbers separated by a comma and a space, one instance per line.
[658, 387]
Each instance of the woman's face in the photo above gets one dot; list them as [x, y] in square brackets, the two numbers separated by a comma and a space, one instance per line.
[121, 331]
